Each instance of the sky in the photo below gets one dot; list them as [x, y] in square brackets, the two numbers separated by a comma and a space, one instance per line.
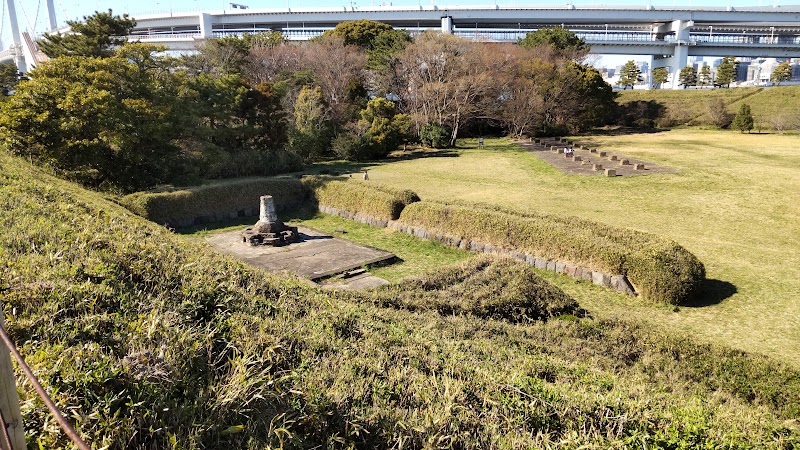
[32, 14]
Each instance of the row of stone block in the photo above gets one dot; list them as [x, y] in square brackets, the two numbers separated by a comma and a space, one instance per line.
[361, 218]
[616, 282]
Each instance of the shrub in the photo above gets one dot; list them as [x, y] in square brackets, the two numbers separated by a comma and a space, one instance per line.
[659, 269]
[360, 198]
[435, 135]
[215, 201]
[482, 287]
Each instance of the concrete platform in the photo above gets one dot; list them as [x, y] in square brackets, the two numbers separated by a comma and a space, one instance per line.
[317, 255]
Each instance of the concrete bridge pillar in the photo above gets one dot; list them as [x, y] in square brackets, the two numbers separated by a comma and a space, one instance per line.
[680, 50]
[51, 15]
[205, 26]
[19, 59]
[447, 25]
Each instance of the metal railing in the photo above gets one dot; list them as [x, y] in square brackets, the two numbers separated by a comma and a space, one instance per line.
[502, 35]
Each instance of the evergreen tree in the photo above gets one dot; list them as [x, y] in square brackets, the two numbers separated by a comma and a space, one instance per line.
[629, 75]
[688, 76]
[705, 76]
[783, 72]
[95, 36]
[744, 119]
[564, 41]
[8, 79]
[660, 76]
[726, 72]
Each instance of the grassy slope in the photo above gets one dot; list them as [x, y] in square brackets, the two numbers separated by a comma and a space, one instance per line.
[764, 102]
[730, 204]
[153, 341]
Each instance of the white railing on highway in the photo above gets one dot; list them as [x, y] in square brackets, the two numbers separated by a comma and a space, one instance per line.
[500, 35]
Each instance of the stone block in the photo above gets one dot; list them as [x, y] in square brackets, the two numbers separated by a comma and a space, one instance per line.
[487, 248]
[569, 269]
[611, 173]
[624, 162]
[587, 275]
[560, 267]
[530, 260]
[602, 153]
[540, 263]
[518, 256]
[601, 279]
[620, 283]
[476, 246]
[551, 265]
[464, 244]
[594, 150]
[613, 157]
[578, 272]
[420, 233]
[577, 158]
[639, 167]
[597, 167]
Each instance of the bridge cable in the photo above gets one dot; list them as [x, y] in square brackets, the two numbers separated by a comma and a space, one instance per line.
[68, 430]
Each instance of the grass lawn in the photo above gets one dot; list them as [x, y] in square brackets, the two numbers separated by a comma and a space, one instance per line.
[734, 202]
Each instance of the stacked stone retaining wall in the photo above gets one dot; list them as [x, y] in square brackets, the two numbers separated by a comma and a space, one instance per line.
[616, 282]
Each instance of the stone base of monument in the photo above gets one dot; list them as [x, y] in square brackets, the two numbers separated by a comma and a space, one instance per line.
[269, 230]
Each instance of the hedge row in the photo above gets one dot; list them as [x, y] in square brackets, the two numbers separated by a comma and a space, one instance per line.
[495, 288]
[217, 201]
[361, 198]
[659, 269]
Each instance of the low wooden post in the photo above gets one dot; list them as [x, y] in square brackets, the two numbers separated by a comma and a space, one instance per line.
[9, 399]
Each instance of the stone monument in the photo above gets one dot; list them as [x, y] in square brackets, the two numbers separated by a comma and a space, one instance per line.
[269, 230]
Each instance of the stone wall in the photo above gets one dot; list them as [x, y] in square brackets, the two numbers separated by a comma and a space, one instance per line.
[617, 282]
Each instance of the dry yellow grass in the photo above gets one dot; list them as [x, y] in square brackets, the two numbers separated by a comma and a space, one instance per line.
[734, 202]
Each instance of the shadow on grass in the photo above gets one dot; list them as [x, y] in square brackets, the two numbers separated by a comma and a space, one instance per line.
[623, 131]
[712, 292]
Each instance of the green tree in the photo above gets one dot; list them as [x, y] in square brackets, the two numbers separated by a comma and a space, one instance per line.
[688, 76]
[565, 42]
[105, 122]
[379, 130]
[704, 78]
[8, 79]
[744, 119]
[95, 36]
[311, 135]
[361, 33]
[630, 75]
[726, 72]
[660, 76]
[783, 72]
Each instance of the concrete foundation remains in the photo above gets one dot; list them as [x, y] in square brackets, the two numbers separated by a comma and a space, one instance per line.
[269, 230]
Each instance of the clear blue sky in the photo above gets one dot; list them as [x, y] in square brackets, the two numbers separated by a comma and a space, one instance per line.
[32, 14]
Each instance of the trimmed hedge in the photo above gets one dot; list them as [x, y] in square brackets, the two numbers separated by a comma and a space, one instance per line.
[217, 201]
[659, 269]
[363, 198]
[486, 287]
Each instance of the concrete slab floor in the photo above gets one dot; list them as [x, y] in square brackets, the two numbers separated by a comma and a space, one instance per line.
[316, 256]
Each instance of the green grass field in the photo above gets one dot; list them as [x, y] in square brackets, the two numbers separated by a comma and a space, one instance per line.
[149, 339]
[733, 203]
[765, 103]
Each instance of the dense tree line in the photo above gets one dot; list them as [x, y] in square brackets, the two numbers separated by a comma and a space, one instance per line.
[126, 116]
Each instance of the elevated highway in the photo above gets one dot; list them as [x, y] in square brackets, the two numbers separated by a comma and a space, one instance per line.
[670, 35]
